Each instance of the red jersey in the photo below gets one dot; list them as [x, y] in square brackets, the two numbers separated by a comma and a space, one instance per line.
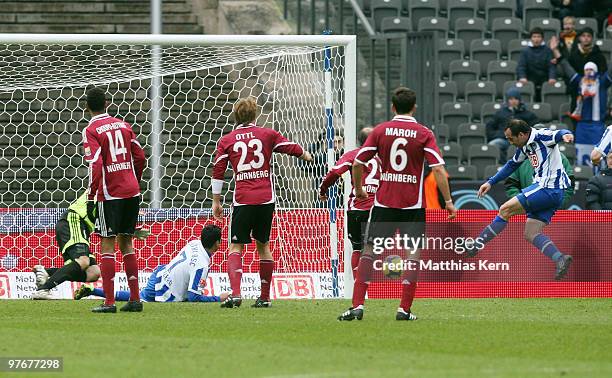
[371, 175]
[402, 145]
[248, 148]
[115, 158]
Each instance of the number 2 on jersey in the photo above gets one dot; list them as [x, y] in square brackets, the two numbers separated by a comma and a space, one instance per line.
[258, 157]
[116, 146]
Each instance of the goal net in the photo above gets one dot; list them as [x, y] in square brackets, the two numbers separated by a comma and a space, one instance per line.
[177, 92]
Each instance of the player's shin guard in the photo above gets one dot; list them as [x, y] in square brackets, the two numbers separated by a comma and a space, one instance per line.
[409, 285]
[548, 248]
[234, 270]
[130, 264]
[355, 262]
[364, 274]
[492, 230]
[107, 267]
[68, 272]
[266, 267]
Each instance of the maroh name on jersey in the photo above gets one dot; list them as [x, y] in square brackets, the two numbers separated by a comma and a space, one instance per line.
[398, 177]
[118, 167]
[392, 131]
[251, 175]
[110, 126]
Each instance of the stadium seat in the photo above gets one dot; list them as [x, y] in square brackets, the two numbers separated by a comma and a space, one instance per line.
[557, 126]
[462, 71]
[442, 133]
[605, 45]
[550, 26]
[423, 8]
[484, 51]
[555, 95]
[527, 90]
[479, 93]
[457, 9]
[515, 47]
[499, 9]
[481, 156]
[583, 173]
[488, 110]
[505, 30]
[447, 91]
[500, 72]
[469, 134]
[451, 153]
[490, 171]
[535, 9]
[542, 111]
[582, 22]
[461, 172]
[439, 24]
[469, 29]
[449, 50]
[396, 25]
[564, 111]
[455, 114]
[569, 151]
[382, 9]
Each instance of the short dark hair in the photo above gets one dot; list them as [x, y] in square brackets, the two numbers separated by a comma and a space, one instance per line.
[363, 135]
[403, 100]
[96, 99]
[517, 126]
[536, 30]
[210, 235]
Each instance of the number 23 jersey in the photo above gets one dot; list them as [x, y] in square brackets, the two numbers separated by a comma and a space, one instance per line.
[248, 148]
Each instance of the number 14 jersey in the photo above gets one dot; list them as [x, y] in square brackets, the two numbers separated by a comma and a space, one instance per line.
[248, 148]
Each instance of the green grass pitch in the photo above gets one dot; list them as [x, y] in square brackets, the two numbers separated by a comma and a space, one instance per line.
[484, 337]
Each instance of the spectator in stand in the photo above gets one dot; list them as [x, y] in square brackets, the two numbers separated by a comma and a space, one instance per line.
[576, 8]
[562, 45]
[591, 91]
[514, 109]
[536, 62]
[599, 189]
[586, 51]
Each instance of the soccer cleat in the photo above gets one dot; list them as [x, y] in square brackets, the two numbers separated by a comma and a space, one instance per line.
[104, 308]
[42, 294]
[83, 291]
[231, 302]
[132, 306]
[260, 303]
[403, 315]
[563, 266]
[41, 275]
[350, 314]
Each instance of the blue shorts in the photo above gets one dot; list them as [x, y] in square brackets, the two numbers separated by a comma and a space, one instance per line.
[540, 203]
[148, 293]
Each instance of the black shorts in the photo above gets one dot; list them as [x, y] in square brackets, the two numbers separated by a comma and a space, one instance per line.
[386, 222]
[118, 217]
[72, 236]
[356, 221]
[251, 220]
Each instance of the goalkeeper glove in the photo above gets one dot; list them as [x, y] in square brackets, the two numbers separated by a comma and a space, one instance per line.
[142, 233]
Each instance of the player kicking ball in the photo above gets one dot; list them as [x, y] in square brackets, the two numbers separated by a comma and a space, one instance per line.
[181, 280]
[249, 149]
[541, 199]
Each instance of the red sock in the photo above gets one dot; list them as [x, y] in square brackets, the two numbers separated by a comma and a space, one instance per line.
[234, 270]
[409, 285]
[355, 262]
[364, 272]
[266, 267]
[107, 268]
[130, 264]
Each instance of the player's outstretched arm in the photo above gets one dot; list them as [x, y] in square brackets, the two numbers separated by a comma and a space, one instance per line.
[357, 176]
[306, 156]
[217, 208]
[442, 181]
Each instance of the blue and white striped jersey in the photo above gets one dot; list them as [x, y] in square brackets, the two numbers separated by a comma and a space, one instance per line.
[185, 273]
[545, 158]
[605, 144]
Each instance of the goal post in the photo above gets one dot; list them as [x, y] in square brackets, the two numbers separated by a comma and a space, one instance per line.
[177, 91]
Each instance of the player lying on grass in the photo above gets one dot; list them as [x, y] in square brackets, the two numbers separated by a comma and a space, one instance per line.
[72, 233]
[539, 200]
[181, 280]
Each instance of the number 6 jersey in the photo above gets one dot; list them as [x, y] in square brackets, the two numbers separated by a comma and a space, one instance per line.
[115, 158]
[249, 148]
